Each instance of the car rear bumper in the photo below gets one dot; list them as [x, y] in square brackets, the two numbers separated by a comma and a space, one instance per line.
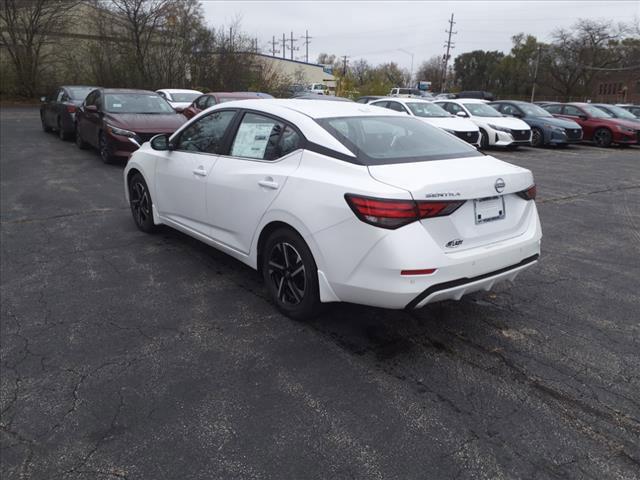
[376, 278]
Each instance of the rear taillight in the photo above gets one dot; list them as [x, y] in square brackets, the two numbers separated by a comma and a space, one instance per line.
[392, 214]
[529, 193]
[71, 108]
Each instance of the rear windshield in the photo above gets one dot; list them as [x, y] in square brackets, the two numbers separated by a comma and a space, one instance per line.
[184, 97]
[136, 103]
[380, 140]
[80, 93]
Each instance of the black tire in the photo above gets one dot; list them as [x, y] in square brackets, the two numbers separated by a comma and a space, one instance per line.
[45, 128]
[291, 275]
[62, 134]
[104, 150]
[484, 140]
[82, 145]
[537, 137]
[602, 137]
[141, 204]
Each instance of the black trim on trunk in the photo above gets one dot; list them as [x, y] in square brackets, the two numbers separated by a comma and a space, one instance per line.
[461, 281]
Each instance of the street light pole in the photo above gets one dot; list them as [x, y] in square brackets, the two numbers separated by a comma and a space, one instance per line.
[411, 74]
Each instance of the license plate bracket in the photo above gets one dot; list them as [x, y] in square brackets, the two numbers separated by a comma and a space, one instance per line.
[488, 209]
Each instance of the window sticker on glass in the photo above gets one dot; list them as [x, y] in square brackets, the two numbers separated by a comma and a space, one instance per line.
[117, 105]
[251, 140]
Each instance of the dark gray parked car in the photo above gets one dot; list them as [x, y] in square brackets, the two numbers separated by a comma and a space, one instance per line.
[58, 110]
[545, 128]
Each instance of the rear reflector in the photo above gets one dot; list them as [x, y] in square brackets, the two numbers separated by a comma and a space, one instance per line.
[529, 193]
[426, 271]
[71, 108]
[392, 214]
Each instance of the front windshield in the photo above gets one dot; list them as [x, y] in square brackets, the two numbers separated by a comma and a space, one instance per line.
[424, 109]
[596, 112]
[482, 110]
[619, 112]
[184, 97]
[80, 93]
[136, 103]
[380, 140]
[530, 109]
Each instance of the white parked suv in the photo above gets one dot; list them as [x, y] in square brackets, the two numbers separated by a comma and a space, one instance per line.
[496, 129]
[179, 99]
[339, 201]
[433, 115]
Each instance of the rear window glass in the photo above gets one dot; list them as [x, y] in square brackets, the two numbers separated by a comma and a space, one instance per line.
[380, 140]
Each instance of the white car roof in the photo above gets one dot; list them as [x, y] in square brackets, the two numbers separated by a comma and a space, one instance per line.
[464, 100]
[178, 90]
[402, 100]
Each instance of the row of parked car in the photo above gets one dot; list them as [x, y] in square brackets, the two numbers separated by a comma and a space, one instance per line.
[117, 121]
[510, 123]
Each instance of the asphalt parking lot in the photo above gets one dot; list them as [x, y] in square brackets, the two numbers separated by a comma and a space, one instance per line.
[132, 356]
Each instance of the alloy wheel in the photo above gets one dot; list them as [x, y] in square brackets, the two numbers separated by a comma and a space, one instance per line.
[287, 273]
[536, 139]
[140, 203]
[602, 137]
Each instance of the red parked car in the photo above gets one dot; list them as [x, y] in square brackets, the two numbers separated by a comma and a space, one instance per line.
[597, 126]
[213, 98]
[117, 121]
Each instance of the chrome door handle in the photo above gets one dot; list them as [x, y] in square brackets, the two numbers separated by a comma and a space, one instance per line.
[268, 183]
[200, 171]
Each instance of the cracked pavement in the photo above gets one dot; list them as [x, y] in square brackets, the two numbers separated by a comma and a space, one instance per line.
[129, 356]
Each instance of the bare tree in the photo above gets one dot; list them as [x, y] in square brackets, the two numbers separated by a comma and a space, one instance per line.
[27, 26]
[142, 21]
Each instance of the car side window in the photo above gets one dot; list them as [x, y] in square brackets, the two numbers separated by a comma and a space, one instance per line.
[201, 102]
[91, 98]
[381, 104]
[397, 107]
[59, 95]
[210, 102]
[98, 100]
[206, 134]
[573, 111]
[553, 108]
[507, 109]
[263, 138]
[162, 94]
[455, 108]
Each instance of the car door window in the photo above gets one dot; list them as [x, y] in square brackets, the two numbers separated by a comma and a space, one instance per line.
[201, 102]
[507, 109]
[210, 102]
[572, 111]
[91, 98]
[553, 108]
[455, 108]
[59, 95]
[263, 138]
[381, 104]
[206, 134]
[397, 107]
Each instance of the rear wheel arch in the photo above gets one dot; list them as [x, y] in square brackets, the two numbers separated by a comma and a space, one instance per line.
[266, 231]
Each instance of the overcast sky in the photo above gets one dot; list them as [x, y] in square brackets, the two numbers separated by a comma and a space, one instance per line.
[377, 30]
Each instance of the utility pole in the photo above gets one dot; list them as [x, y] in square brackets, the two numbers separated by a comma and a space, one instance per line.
[344, 65]
[273, 46]
[307, 41]
[535, 74]
[284, 45]
[449, 46]
[291, 47]
[230, 38]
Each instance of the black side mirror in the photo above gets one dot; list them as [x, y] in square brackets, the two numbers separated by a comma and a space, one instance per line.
[161, 142]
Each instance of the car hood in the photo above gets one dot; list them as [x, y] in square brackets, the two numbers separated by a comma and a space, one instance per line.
[505, 122]
[455, 124]
[146, 122]
[553, 121]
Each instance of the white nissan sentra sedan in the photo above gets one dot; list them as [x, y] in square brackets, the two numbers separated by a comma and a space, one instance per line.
[336, 201]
